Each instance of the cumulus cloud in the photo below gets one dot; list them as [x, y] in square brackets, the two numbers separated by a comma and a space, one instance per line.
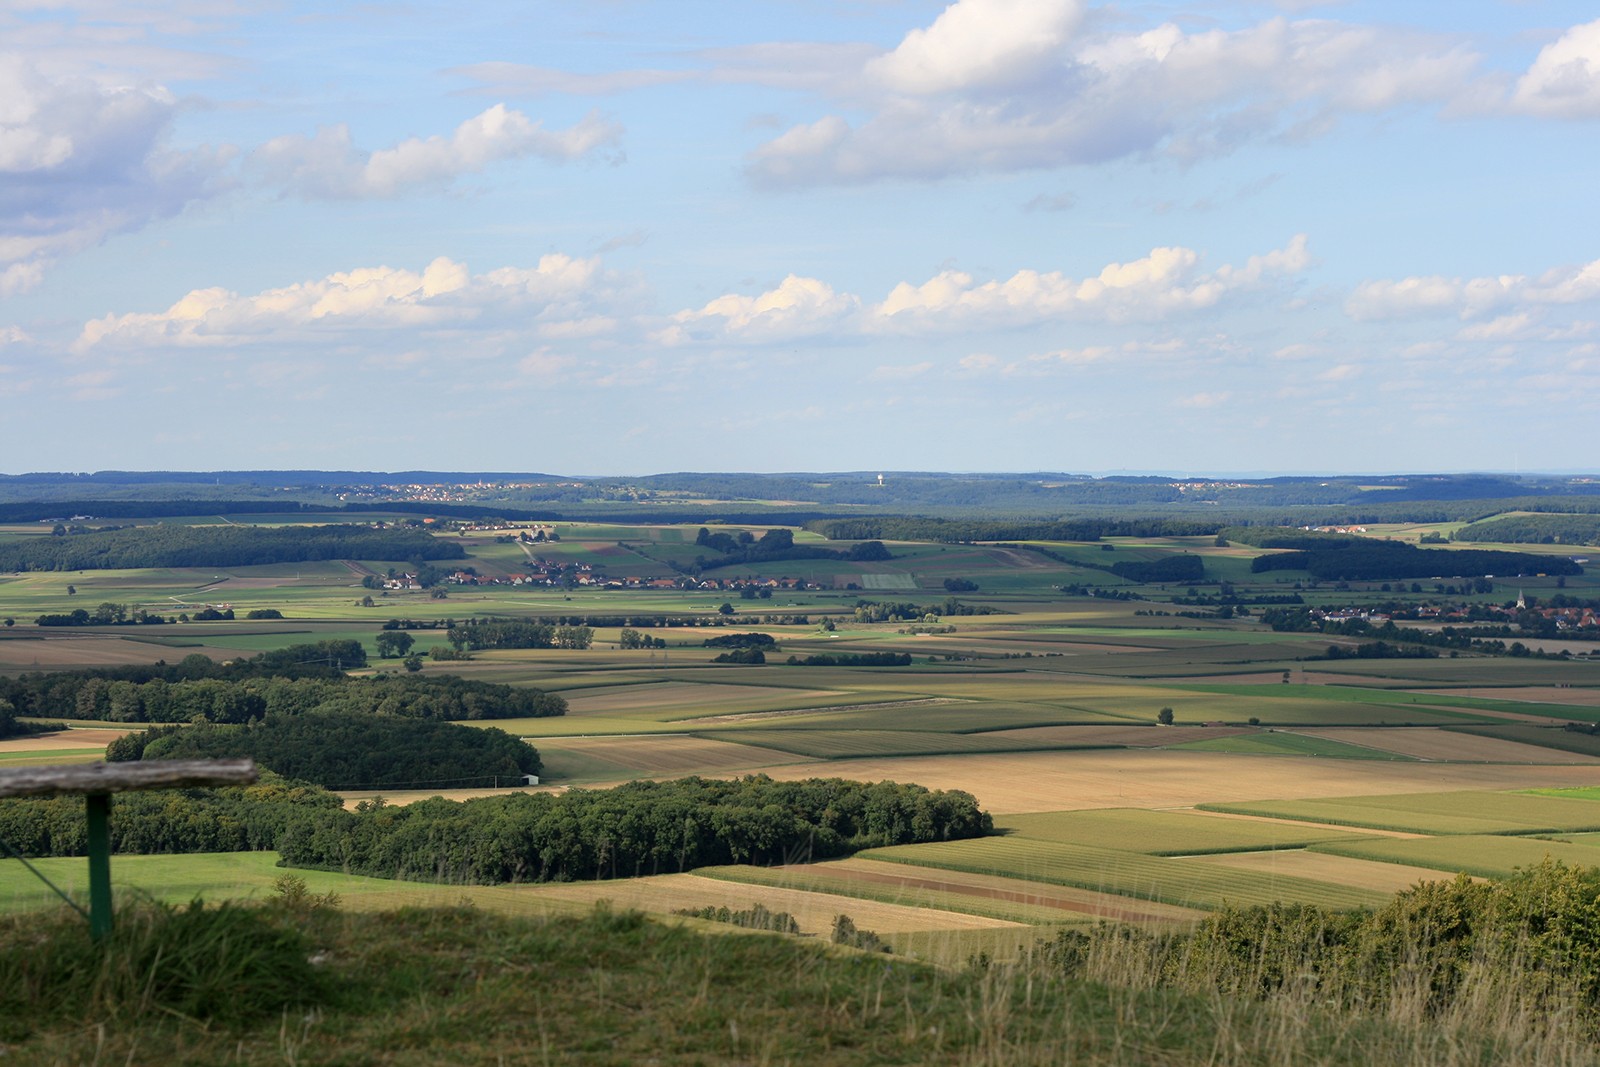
[1167, 281]
[328, 166]
[1473, 297]
[798, 307]
[977, 44]
[996, 85]
[1564, 80]
[560, 292]
[80, 161]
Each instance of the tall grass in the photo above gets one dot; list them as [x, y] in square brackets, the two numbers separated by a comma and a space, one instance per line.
[1460, 976]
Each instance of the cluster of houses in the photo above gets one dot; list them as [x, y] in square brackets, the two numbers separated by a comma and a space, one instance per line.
[583, 574]
[1571, 618]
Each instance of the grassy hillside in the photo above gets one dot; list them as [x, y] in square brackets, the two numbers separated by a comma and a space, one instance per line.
[299, 982]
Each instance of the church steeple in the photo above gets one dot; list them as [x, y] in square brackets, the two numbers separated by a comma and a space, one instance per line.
[1522, 604]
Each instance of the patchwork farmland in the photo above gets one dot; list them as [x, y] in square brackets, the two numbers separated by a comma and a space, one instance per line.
[1283, 775]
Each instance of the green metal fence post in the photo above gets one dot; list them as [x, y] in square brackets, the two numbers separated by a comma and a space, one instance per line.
[99, 813]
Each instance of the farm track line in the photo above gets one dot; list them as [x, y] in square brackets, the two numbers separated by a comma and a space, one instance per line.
[751, 716]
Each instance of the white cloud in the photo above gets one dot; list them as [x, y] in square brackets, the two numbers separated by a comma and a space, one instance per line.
[1564, 80]
[328, 166]
[559, 296]
[80, 161]
[1472, 297]
[1167, 281]
[798, 307]
[998, 85]
[977, 44]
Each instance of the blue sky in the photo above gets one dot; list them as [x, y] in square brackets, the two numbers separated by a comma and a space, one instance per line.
[619, 237]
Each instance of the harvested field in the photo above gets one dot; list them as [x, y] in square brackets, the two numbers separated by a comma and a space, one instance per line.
[848, 744]
[1431, 743]
[1150, 736]
[658, 754]
[1439, 813]
[1172, 881]
[759, 716]
[815, 912]
[1319, 867]
[686, 695]
[86, 740]
[49, 653]
[813, 878]
[1005, 783]
[900, 876]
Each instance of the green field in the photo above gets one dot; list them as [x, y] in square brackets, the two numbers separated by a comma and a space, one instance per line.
[1276, 743]
[1106, 870]
[844, 744]
[1160, 833]
[1480, 856]
[1095, 670]
[1436, 813]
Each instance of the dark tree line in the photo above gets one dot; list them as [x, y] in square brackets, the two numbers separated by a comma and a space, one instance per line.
[208, 692]
[1363, 559]
[221, 546]
[852, 659]
[776, 545]
[475, 634]
[1534, 530]
[350, 750]
[1182, 567]
[635, 829]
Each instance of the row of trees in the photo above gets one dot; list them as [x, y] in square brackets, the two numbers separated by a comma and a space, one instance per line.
[1364, 559]
[349, 750]
[852, 659]
[774, 546]
[221, 546]
[103, 695]
[635, 829]
[476, 634]
[907, 611]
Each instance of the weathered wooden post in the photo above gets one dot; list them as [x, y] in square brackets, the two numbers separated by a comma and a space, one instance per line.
[96, 782]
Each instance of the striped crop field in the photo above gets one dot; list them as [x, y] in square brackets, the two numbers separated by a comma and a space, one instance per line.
[956, 716]
[1273, 743]
[1161, 833]
[844, 744]
[1462, 701]
[1271, 707]
[818, 878]
[1435, 813]
[1169, 880]
[1551, 737]
[1483, 856]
